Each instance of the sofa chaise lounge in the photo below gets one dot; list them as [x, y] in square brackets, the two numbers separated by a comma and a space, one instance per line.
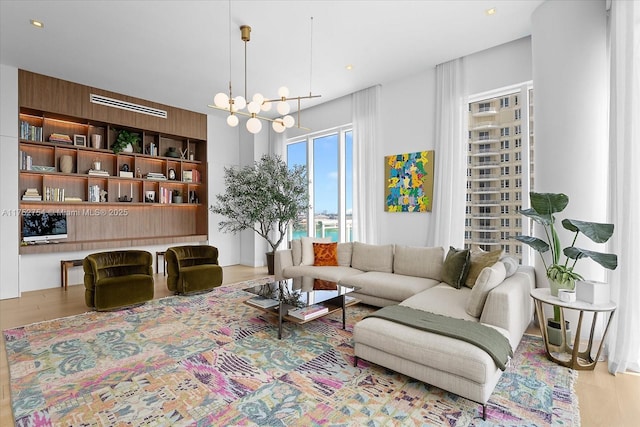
[413, 277]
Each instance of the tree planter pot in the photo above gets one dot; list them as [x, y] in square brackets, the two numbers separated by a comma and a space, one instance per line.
[270, 258]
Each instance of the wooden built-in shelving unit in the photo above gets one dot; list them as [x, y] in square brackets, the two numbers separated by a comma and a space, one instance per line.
[49, 106]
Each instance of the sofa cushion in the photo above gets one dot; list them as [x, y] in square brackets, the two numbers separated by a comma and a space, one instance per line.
[390, 286]
[327, 273]
[419, 261]
[307, 248]
[489, 278]
[480, 259]
[344, 254]
[510, 264]
[296, 251]
[372, 257]
[455, 267]
[442, 299]
[325, 254]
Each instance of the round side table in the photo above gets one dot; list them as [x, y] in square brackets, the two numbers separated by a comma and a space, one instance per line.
[580, 360]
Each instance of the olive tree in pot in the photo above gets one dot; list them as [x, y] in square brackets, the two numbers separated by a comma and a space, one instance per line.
[266, 197]
[561, 275]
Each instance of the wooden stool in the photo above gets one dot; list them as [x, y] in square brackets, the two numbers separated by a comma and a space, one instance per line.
[164, 263]
[65, 264]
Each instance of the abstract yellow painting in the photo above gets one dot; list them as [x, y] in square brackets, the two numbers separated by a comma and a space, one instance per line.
[409, 182]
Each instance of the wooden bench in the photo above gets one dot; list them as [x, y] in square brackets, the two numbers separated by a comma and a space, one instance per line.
[65, 264]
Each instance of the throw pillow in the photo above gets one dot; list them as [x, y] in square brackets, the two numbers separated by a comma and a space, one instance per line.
[307, 248]
[510, 264]
[325, 254]
[344, 254]
[479, 260]
[489, 278]
[455, 267]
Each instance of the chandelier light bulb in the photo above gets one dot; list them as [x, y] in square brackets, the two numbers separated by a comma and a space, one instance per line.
[232, 120]
[283, 108]
[278, 126]
[258, 98]
[266, 106]
[254, 125]
[283, 92]
[288, 121]
[253, 107]
[221, 100]
[239, 102]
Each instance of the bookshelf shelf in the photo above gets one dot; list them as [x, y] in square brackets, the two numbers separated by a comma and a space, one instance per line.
[84, 181]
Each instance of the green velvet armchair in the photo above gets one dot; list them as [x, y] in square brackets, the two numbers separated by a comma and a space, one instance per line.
[117, 279]
[192, 268]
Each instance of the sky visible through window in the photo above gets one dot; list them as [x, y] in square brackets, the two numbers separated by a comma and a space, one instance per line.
[325, 163]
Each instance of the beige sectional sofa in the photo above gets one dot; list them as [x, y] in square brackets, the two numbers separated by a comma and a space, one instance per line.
[412, 277]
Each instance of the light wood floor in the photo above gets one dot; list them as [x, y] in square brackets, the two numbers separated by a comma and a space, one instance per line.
[605, 400]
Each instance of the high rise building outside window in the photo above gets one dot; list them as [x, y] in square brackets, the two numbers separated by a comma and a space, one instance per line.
[492, 215]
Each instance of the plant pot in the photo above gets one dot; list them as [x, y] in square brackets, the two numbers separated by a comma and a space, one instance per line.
[128, 148]
[177, 199]
[555, 286]
[270, 260]
[554, 332]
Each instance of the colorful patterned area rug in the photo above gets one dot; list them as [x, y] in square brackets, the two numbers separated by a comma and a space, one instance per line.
[209, 360]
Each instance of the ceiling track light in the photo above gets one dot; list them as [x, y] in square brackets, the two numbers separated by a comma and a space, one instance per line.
[235, 105]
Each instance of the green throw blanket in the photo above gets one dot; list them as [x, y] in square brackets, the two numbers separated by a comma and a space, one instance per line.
[484, 337]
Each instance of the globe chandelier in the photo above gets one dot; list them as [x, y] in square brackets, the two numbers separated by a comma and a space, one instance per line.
[235, 105]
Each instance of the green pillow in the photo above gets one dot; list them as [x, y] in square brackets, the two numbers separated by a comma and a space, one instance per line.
[456, 267]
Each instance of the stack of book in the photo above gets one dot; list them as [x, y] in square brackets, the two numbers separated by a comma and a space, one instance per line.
[306, 313]
[98, 172]
[263, 302]
[26, 161]
[60, 137]
[32, 195]
[53, 194]
[156, 176]
[30, 132]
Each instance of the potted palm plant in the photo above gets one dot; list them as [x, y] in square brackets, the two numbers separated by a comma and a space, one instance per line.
[560, 273]
[266, 197]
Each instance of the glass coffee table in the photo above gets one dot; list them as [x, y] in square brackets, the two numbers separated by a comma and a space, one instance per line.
[301, 299]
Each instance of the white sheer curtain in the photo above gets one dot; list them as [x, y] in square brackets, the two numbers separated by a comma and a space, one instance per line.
[446, 225]
[624, 205]
[366, 140]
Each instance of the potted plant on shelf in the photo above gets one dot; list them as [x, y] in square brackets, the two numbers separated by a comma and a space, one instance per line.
[265, 197]
[127, 142]
[561, 275]
[176, 196]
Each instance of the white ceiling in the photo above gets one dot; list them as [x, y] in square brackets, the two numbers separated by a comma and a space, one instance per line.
[177, 52]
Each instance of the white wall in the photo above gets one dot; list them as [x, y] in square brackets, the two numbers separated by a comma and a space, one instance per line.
[222, 151]
[570, 104]
[408, 120]
[571, 124]
[9, 219]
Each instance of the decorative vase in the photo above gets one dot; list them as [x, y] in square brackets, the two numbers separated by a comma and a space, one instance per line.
[128, 148]
[66, 164]
[554, 285]
[96, 140]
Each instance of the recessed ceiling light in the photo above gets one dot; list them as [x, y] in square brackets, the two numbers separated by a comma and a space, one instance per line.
[36, 23]
[491, 11]
[349, 67]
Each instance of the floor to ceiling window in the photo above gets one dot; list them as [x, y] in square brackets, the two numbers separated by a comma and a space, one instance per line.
[500, 160]
[328, 156]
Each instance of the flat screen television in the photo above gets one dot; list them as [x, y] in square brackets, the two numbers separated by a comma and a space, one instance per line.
[43, 227]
